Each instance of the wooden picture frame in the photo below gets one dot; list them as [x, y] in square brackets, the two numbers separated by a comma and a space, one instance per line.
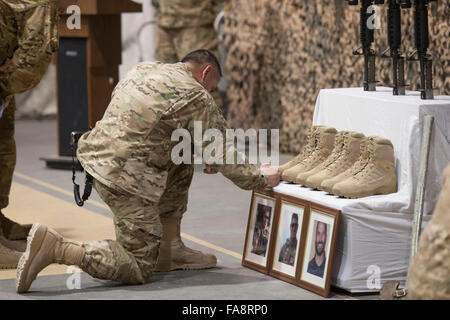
[257, 249]
[284, 262]
[320, 239]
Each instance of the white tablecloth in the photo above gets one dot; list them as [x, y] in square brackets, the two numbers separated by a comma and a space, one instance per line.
[375, 232]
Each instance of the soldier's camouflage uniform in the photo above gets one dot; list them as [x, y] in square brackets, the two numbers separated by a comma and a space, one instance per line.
[288, 251]
[28, 38]
[429, 272]
[185, 26]
[129, 155]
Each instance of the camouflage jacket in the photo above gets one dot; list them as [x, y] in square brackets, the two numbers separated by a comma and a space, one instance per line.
[28, 36]
[288, 251]
[130, 148]
[188, 13]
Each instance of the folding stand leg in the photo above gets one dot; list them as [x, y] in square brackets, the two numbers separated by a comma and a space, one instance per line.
[390, 290]
[420, 191]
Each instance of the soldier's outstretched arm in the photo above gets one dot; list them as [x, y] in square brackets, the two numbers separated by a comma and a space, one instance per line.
[37, 40]
[243, 174]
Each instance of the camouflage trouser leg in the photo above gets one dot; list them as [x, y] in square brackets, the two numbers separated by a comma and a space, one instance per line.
[7, 153]
[132, 257]
[174, 44]
[173, 203]
[165, 49]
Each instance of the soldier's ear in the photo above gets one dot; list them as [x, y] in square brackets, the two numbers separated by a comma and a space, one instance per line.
[206, 71]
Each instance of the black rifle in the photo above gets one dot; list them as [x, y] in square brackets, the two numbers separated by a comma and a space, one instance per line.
[395, 40]
[421, 38]
[366, 38]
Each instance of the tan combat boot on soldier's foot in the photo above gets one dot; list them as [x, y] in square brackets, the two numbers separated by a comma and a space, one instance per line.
[350, 153]
[377, 177]
[44, 247]
[306, 151]
[327, 184]
[429, 271]
[174, 255]
[12, 230]
[335, 154]
[325, 137]
[9, 258]
[14, 245]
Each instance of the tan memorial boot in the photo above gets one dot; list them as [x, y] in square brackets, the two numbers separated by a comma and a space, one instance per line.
[429, 271]
[327, 184]
[306, 151]
[13, 230]
[44, 247]
[348, 156]
[377, 177]
[338, 147]
[324, 144]
[174, 255]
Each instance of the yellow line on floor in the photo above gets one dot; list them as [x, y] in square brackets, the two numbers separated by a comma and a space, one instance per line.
[212, 246]
[56, 217]
[57, 189]
[30, 206]
[98, 204]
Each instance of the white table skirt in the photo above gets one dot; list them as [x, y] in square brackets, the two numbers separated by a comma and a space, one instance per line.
[375, 232]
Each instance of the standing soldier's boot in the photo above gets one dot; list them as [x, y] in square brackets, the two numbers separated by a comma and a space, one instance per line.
[174, 255]
[44, 247]
[12, 230]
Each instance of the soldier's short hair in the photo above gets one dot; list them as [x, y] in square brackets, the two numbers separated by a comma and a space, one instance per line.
[201, 57]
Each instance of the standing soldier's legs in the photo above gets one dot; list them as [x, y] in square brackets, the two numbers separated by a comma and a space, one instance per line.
[173, 253]
[130, 259]
[165, 49]
[10, 229]
[187, 40]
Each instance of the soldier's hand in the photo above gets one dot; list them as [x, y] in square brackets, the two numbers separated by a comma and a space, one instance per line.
[272, 173]
[273, 180]
[209, 170]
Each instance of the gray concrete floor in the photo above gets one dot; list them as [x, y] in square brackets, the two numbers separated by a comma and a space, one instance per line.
[217, 213]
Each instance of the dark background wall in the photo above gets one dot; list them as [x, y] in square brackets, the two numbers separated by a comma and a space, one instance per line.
[282, 52]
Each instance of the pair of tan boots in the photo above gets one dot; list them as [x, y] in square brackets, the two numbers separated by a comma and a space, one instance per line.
[344, 163]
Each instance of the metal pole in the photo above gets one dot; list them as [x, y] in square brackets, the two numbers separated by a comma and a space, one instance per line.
[420, 191]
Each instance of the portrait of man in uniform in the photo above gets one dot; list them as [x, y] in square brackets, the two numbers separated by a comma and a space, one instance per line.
[289, 249]
[261, 232]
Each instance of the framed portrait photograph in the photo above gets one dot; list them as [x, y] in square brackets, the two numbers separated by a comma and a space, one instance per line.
[259, 231]
[288, 239]
[322, 226]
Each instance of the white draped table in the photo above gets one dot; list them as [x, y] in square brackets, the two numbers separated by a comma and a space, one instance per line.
[375, 232]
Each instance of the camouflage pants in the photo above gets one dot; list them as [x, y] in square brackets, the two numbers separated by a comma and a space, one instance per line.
[7, 153]
[174, 44]
[132, 258]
